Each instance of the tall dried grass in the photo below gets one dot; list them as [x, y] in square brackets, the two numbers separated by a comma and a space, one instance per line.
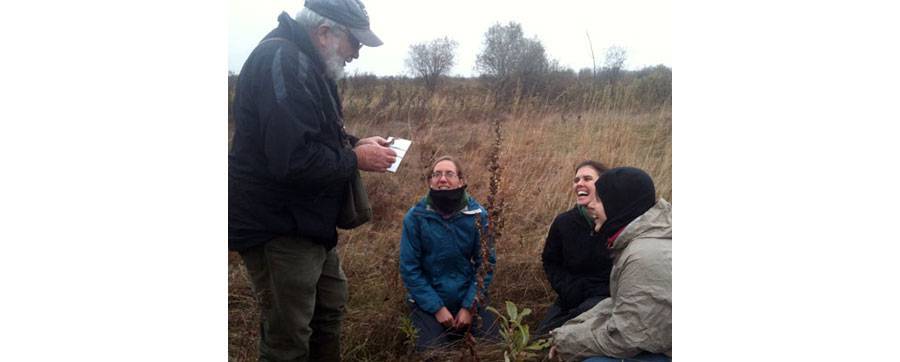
[544, 137]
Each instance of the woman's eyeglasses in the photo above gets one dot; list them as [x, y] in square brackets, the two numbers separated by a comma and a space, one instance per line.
[437, 175]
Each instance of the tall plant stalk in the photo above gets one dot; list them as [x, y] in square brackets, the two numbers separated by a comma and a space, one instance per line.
[489, 235]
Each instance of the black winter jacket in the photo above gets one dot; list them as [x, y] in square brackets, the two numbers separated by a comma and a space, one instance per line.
[287, 167]
[576, 261]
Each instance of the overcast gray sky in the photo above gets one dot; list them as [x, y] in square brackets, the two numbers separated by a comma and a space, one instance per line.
[642, 27]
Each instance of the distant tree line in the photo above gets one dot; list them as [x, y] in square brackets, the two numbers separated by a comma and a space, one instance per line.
[561, 88]
[513, 66]
[512, 63]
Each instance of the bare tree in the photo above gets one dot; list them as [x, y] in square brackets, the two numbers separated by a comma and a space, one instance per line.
[497, 56]
[593, 59]
[532, 59]
[508, 56]
[615, 60]
[432, 60]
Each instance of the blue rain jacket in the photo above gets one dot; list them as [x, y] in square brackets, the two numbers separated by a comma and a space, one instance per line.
[439, 259]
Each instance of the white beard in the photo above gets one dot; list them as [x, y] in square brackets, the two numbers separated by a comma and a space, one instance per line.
[334, 65]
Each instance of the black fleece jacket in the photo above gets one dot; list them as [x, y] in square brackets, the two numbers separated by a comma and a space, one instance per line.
[576, 261]
[287, 167]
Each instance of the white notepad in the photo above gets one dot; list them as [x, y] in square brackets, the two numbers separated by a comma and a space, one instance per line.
[400, 146]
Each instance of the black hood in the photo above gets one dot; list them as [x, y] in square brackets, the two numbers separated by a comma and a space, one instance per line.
[626, 193]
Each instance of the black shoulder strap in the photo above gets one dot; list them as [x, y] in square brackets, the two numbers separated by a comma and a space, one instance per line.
[345, 138]
[281, 40]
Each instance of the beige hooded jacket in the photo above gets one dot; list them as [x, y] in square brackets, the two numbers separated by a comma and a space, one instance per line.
[638, 316]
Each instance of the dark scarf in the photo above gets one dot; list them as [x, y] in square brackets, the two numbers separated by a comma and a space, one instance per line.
[626, 193]
[448, 202]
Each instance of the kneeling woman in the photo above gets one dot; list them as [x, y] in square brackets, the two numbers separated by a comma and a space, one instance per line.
[439, 259]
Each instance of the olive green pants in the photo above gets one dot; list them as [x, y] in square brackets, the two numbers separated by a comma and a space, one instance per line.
[302, 292]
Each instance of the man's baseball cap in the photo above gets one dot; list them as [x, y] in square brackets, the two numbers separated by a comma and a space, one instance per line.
[349, 13]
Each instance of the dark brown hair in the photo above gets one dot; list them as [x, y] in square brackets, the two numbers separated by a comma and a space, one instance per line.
[597, 166]
[459, 170]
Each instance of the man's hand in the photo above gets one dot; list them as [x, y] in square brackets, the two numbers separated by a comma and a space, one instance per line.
[374, 158]
[463, 318]
[374, 140]
[444, 317]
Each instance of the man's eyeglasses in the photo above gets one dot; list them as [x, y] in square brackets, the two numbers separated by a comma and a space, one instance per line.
[437, 175]
[355, 44]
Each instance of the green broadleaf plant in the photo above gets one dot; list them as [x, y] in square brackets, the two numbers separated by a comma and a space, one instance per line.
[516, 335]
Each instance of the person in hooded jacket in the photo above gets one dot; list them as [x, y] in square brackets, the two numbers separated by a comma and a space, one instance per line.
[636, 321]
[440, 258]
[575, 259]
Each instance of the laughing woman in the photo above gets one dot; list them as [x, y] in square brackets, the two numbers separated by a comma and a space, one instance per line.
[575, 259]
[439, 259]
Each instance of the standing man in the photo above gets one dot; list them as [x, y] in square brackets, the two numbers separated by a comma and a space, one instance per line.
[288, 169]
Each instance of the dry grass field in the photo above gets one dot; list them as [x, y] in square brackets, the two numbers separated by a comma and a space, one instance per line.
[543, 138]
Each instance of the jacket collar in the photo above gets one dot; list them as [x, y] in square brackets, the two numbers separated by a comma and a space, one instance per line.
[472, 208]
[291, 30]
[655, 223]
[612, 239]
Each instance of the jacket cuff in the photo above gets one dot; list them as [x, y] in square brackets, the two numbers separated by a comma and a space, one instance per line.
[429, 304]
[431, 309]
[571, 340]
